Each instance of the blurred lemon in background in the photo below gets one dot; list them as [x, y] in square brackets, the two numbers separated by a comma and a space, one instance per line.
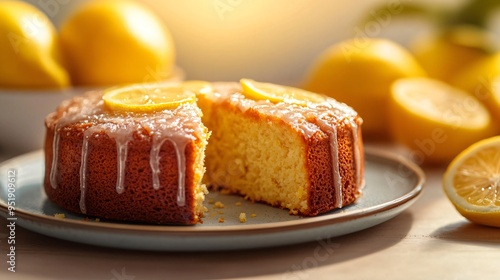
[29, 53]
[436, 120]
[481, 81]
[359, 72]
[447, 52]
[116, 42]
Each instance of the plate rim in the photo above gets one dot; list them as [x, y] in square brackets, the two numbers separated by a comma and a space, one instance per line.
[220, 231]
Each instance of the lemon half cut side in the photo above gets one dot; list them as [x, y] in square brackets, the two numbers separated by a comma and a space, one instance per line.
[145, 98]
[278, 93]
[436, 119]
[472, 182]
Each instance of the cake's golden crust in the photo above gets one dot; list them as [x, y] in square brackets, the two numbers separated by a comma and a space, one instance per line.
[321, 193]
[139, 202]
[321, 190]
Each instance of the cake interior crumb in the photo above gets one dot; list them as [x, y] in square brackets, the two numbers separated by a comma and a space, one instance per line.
[60, 215]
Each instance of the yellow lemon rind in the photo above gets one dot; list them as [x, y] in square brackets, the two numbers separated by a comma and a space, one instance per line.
[274, 93]
[485, 215]
[113, 101]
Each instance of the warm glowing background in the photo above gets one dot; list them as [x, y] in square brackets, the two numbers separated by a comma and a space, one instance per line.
[261, 39]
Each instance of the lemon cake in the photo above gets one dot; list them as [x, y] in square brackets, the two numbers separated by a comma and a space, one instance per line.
[119, 164]
[282, 146]
[302, 152]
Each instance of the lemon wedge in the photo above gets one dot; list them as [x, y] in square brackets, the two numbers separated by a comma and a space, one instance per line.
[472, 182]
[436, 120]
[277, 93]
[146, 98]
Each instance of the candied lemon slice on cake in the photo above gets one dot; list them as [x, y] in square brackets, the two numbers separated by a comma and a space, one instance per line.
[435, 120]
[277, 93]
[144, 98]
[472, 182]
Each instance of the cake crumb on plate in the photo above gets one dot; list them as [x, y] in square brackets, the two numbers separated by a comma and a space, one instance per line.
[219, 204]
[243, 217]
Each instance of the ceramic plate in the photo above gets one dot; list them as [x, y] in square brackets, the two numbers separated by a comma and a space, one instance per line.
[392, 185]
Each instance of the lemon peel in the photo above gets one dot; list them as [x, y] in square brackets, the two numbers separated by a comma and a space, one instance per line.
[278, 93]
[147, 98]
[362, 76]
[472, 182]
[29, 52]
[436, 119]
[129, 44]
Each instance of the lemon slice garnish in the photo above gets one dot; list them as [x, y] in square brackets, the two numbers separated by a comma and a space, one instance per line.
[144, 98]
[472, 182]
[277, 93]
[436, 120]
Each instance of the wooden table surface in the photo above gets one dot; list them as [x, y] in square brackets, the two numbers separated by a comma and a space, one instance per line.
[430, 240]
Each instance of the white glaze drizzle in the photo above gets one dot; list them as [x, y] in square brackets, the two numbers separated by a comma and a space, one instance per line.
[154, 162]
[357, 159]
[83, 167]
[122, 135]
[334, 152]
[307, 120]
[177, 125]
[179, 142]
[55, 155]
[71, 111]
[181, 166]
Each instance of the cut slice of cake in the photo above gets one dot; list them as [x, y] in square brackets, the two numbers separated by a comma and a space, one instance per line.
[305, 155]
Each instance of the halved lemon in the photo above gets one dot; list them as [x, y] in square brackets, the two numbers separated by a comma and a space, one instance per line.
[277, 93]
[435, 120]
[144, 98]
[472, 182]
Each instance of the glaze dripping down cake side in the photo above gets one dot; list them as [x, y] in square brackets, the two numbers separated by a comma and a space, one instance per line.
[149, 167]
[132, 167]
[308, 159]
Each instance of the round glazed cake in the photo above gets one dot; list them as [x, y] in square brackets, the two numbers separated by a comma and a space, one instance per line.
[143, 167]
[148, 167]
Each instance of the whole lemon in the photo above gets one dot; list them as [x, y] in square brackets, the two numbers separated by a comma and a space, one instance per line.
[360, 73]
[112, 42]
[447, 52]
[481, 81]
[29, 52]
